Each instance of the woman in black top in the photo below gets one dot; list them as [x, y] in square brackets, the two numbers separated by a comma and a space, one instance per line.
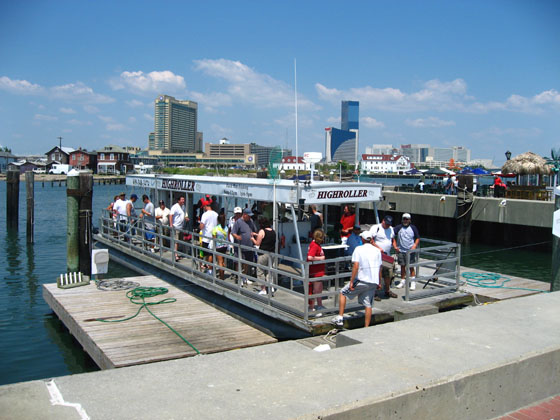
[266, 241]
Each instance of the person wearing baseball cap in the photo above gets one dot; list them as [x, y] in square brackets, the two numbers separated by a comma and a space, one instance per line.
[366, 264]
[243, 231]
[383, 235]
[406, 239]
[354, 240]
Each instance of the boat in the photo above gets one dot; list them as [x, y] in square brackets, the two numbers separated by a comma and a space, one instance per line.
[287, 284]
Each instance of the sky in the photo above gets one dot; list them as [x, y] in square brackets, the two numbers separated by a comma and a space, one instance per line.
[479, 74]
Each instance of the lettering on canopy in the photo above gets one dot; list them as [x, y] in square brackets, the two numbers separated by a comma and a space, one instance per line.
[237, 190]
[177, 184]
[142, 182]
[333, 195]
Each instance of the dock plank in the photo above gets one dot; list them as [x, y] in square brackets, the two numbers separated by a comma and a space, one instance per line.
[514, 288]
[144, 339]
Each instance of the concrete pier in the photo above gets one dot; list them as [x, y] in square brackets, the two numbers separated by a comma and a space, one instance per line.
[476, 363]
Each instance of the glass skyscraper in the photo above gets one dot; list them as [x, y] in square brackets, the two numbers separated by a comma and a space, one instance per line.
[342, 144]
[175, 125]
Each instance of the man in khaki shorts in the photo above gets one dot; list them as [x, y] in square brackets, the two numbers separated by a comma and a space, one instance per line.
[366, 267]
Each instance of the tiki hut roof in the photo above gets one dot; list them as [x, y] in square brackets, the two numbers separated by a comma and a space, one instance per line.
[527, 164]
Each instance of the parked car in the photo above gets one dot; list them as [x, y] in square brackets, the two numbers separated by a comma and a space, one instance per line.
[39, 171]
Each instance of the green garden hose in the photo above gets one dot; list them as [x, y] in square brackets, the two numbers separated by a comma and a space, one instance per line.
[138, 296]
[492, 281]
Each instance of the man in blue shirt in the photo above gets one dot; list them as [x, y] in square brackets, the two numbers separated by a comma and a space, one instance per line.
[353, 241]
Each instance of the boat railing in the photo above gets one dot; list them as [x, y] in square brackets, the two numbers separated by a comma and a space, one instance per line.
[278, 284]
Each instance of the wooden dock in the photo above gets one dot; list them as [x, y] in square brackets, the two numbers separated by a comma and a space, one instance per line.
[144, 339]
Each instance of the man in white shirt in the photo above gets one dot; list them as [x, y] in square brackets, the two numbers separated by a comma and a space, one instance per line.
[162, 216]
[177, 218]
[382, 235]
[366, 265]
[148, 215]
[208, 222]
[120, 208]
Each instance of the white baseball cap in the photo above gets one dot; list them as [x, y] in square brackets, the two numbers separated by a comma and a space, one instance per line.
[237, 210]
[406, 216]
[366, 234]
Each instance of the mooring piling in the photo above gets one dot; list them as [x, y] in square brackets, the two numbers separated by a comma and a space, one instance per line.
[12, 199]
[30, 194]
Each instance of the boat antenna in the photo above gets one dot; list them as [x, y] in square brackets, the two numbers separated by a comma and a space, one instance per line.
[295, 95]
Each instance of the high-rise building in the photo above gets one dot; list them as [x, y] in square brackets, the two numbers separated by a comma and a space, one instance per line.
[343, 144]
[340, 145]
[175, 126]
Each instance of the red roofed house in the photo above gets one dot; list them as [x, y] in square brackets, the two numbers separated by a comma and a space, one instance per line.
[82, 159]
[289, 162]
[384, 164]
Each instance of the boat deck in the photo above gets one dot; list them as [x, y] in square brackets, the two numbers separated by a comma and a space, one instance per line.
[145, 339]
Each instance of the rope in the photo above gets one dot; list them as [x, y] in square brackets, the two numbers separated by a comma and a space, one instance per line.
[491, 281]
[505, 249]
[138, 296]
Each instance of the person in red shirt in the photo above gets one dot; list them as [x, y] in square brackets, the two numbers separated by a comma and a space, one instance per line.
[315, 253]
[347, 221]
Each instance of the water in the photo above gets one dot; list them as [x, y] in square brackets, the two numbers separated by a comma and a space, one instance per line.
[36, 345]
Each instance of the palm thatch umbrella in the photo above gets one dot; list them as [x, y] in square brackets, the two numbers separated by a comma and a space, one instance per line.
[527, 163]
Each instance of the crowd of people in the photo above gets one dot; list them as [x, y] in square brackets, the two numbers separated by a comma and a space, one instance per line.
[253, 239]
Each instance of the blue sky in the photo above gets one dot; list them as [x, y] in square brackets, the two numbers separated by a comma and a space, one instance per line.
[480, 74]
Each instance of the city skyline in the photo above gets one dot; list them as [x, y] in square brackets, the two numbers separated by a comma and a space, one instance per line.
[483, 75]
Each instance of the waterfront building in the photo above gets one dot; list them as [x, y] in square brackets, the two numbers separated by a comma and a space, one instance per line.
[384, 164]
[175, 126]
[225, 149]
[5, 159]
[457, 153]
[113, 160]
[196, 160]
[293, 163]
[26, 165]
[59, 154]
[415, 152]
[342, 144]
[381, 149]
[82, 159]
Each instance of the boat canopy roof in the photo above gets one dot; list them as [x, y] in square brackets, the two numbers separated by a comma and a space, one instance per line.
[262, 189]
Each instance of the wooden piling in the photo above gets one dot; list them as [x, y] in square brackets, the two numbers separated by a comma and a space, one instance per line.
[72, 207]
[464, 208]
[85, 223]
[30, 193]
[12, 199]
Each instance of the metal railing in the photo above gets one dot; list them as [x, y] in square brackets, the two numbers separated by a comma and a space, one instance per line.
[285, 279]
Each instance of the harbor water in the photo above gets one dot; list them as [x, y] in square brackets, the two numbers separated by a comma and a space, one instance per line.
[36, 345]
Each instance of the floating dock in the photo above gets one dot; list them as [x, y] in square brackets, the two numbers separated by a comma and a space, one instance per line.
[144, 339]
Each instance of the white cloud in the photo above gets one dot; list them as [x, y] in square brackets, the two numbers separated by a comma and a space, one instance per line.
[148, 117]
[508, 132]
[431, 122]
[249, 86]
[78, 122]
[211, 100]
[67, 110]
[111, 124]
[370, 122]
[149, 83]
[43, 117]
[134, 103]
[437, 96]
[22, 87]
[333, 120]
[90, 109]
[79, 92]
